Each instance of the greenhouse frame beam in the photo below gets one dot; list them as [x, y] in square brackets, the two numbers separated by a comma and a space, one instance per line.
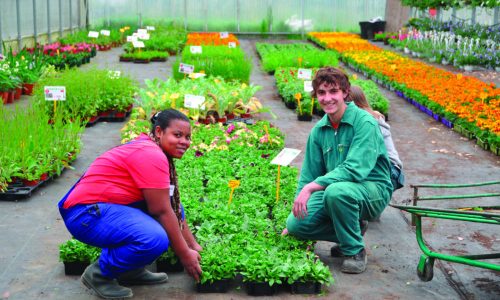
[18, 15]
[495, 15]
[473, 16]
[238, 15]
[60, 19]
[71, 16]
[1, 38]
[35, 28]
[185, 15]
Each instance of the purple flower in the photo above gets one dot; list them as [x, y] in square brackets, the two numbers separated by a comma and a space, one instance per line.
[265, 155]
[198, 153]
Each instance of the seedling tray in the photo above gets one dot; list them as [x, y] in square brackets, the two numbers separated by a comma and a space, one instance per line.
[218, 286]
[18, 191]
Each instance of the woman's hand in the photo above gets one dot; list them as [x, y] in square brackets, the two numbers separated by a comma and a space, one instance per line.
[195, 246]
[191, 262]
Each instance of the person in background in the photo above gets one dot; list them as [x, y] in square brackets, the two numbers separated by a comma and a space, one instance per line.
[397, 176]
[128, 204]
[345, 175]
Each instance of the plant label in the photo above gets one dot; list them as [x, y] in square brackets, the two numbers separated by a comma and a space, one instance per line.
[131, 38]
[285, 157]
[93, 34]
[105, 32]
[193, 101]
[150, 28]
[144, 36]
[195, 49]
[171, 190]
[196, 75]
[185, 68]
[138, 44]
[114, 74]
[224, 35]
[308, 86]
[135, 34]
[233, 184]
[231, 44]
[305, 74]
[55, 93]
[142, 31]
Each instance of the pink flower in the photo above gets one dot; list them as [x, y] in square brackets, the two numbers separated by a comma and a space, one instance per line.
[228, 140]
[264, 139]
[230, 128]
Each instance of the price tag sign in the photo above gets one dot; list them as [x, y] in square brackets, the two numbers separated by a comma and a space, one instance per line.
[142, 31]
[105, 32]
[195, 49]
[143, 36]
[233, 184]
[55, 93]
[93, 34]
[131, 38]
[305, 74]
[193, 101]
[150, 28]
[224, 35]
[308, 86]
[135, 34]
[285, 157]
[138, 44]
[185, 68]
[231, 44]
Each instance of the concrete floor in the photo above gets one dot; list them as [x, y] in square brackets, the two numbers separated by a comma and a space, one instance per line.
[32, 229]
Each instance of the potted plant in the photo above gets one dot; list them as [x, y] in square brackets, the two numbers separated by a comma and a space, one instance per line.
[169, 262]
[219, 268]
[76, 256]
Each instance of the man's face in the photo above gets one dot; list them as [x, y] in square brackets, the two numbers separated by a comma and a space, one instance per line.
[331, 98]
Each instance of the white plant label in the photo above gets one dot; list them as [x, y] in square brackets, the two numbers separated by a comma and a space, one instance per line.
[305, 74]
[93, 34]
[144, 36]
[196, 75]
[285, 157]
[55, 93]
[195, 49]
[135, 34]
[224, 35]
[142, 31]
[308, 86]
[231, 44]
[138, 44]
[114, 74]
[193, 101]
[185, 68]
[105, 32]
[131, 38]
[150, 28]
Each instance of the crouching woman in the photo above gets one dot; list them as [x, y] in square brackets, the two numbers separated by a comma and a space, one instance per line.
[128, 204]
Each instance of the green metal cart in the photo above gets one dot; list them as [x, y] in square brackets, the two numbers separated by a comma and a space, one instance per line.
[478, 214]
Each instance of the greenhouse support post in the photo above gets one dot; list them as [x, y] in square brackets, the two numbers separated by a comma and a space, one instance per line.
[473, 16]
[48, 22]
[18, 15]
[453, 13]
[1, 38]
[495, 15]
[60, 19]
[238, 15]
[185, 15]
[79, 10]
[302, 16]
[35, 29]
[71, 16]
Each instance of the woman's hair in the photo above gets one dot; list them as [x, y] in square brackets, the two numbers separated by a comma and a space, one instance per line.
[358, 97]
[163, 119]
[331, 76]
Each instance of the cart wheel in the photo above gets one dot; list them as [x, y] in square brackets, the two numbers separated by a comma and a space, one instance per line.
[425, 268]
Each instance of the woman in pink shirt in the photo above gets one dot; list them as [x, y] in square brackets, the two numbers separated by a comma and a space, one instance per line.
[128, 204]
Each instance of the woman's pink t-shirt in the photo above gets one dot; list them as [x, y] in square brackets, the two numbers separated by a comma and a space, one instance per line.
[118, 175]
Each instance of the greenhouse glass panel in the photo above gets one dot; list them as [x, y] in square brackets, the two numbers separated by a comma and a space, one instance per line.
[41, 16]
[65, 14]
[196, 15]
[287, 15]
[221, 15]
[54, 15]
[9, 20]
[26, 16]
[254, 15]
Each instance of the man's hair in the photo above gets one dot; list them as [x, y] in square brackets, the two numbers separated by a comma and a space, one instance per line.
[331, 76]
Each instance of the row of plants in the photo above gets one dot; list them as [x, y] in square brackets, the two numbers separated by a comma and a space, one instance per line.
[296, 55]
[224, 101]
[445, 4]
[458, 27]
[446, 47]
[291, 89]
[103, 42]
[223, 61]
[103, 92]
[454, 98]
[144, 56]
[211, 39]
[37, 150]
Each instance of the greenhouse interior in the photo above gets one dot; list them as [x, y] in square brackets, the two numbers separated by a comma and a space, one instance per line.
[318, 149]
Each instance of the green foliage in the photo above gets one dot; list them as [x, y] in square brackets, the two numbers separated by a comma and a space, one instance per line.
[294, 55]
[375, 98]
[74, 250]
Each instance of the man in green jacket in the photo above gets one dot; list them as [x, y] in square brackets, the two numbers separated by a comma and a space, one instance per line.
[345, 175]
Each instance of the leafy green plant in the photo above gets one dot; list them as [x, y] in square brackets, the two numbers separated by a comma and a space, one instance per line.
[74, 250]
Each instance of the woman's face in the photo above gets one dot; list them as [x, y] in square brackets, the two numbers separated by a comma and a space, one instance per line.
[175, 139]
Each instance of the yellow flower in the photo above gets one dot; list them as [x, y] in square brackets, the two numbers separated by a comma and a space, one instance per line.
[354, 76]
[235, 93]
[174, 96]
[222, 147]
[150, 94]
[122, 30]
[243, 85]
[459, 76]
[164, 97]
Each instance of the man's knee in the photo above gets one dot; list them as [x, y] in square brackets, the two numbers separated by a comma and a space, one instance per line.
[339, 195]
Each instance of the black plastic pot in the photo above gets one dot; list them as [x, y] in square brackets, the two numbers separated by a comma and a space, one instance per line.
[218, 286]
[261, 289]
[309, 287]
[75, 267]
[368, 29]
[166, 266]
[305, 118]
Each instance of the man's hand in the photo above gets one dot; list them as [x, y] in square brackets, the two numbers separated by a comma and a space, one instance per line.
[300, 205]
[191, 262]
